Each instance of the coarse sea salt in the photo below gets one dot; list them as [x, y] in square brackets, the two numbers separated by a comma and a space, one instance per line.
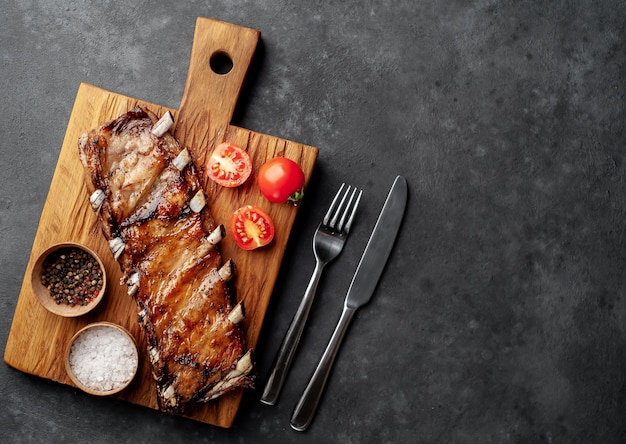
[103, 358]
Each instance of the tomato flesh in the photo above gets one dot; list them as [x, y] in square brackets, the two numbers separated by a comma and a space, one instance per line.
[251, 227]
[281, 180]
[229, 165]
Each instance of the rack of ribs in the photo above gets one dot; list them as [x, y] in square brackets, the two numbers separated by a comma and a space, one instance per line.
[153, 212]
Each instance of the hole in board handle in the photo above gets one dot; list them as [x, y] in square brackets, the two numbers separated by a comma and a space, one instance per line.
[221, 63]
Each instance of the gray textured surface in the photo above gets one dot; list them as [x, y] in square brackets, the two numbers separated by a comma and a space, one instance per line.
[501, 315]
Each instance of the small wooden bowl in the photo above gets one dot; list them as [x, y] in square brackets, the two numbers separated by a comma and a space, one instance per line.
[43, 294]
[112, 359]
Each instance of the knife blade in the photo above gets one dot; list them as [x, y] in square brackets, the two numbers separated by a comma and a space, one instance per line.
[361, 289]
[378, 246]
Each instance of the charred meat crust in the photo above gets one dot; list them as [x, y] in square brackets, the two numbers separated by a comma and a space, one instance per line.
[167, 249]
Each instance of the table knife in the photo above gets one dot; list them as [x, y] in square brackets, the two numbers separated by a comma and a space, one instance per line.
[361, 288]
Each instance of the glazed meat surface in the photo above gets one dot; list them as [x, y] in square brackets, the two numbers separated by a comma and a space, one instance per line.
[153, 213]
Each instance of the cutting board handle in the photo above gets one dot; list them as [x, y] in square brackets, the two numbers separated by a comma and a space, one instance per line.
[210, 92]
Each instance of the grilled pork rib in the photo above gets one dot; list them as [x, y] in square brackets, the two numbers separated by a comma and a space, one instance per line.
[153, 213]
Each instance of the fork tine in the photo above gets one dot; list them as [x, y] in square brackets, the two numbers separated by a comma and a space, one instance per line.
[345, 211]
[333, 222]
[346, 229]
[330, 209]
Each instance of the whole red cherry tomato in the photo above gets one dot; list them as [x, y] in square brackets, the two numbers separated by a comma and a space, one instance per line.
[251, 227]
[229, 165]
[281, 180]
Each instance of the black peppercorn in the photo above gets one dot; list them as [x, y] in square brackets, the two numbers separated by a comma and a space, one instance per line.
[72, 276]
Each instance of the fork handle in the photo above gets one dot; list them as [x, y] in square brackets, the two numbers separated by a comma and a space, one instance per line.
[307, 405]
[287, 349]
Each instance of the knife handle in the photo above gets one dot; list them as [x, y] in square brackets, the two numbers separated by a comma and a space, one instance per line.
[307, 405]
[287, 348]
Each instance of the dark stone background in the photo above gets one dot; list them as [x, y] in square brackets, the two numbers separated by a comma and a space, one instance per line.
[501, 315]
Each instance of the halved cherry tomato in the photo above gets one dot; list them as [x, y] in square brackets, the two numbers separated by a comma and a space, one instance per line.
[281, 180]
[251, 227]
[229, 165]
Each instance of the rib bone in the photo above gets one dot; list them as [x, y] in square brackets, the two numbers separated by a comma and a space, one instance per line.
[182, 160]
[163, 125]
[133, 283]
[116, 245]
[197, 202]
[227, 270]
[243, 367]
[216, 235]
[96, 199]
[237, 315]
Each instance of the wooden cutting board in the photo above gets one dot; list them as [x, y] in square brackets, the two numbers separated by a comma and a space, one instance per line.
[38, 339]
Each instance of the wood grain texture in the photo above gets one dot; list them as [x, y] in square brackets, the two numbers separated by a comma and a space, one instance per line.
[38, 339]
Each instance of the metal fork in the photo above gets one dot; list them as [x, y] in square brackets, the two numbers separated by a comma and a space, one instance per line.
[328, 242]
